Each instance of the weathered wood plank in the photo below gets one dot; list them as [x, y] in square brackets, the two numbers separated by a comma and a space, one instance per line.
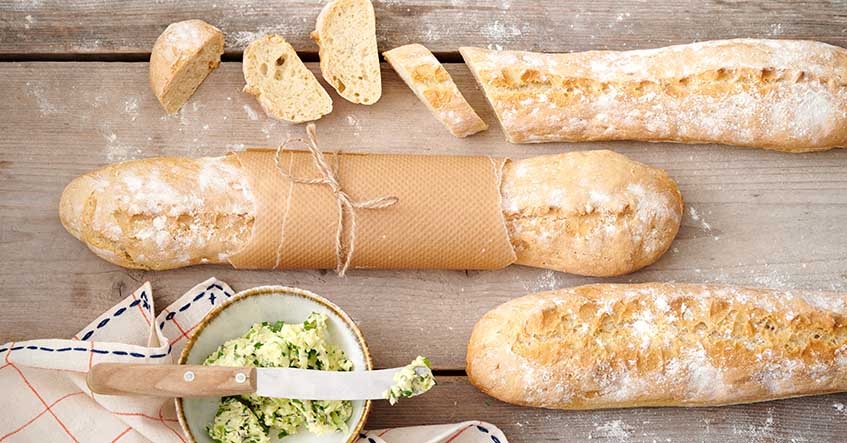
[754, 217]
[93, 27]
[810, 419]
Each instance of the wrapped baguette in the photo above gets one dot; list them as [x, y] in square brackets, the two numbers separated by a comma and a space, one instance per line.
[655, 344]
[775, 94]
[593, 213]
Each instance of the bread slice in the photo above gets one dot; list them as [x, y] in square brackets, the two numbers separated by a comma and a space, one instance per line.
[183, 55]
[346, 35]
[283, 85]
[432, 84]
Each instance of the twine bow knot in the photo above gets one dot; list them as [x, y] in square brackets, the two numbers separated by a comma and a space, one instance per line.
[345, 203]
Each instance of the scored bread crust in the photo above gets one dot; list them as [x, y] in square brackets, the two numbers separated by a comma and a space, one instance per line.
[183, 55]
[592, 213]
[349, 58]
[655, 344]
[776, 94]
[432, 84]
[161, 213]
[285, 88]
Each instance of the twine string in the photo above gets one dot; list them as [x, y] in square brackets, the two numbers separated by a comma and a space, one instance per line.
[346, 205]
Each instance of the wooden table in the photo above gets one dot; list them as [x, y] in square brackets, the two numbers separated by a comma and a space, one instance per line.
[74, 96]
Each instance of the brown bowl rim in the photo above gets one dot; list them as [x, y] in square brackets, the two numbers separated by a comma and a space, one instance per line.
[283, 290]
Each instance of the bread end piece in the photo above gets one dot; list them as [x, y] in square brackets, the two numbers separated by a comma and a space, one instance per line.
[183, 55]
[161, 213]
[283, 85]
[346, 35]
[595, 213]
[432, 84]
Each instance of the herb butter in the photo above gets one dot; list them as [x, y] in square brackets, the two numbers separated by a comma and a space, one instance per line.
[409, 382]
[235, 422]
[251, 418]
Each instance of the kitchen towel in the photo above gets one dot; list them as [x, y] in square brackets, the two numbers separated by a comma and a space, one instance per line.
[45, 397]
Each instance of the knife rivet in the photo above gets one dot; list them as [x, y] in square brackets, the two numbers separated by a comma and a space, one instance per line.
[188, 376]
[240, 377]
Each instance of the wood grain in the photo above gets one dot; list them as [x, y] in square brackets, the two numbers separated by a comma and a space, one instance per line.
[169, 380]
[753, 218]
[809, 419]
[56, 27]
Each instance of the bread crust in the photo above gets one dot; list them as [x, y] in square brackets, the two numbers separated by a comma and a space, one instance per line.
[784, 95]
[432, 84]
[657, 344]
[592, 213]
[181, 58]
[161, 213]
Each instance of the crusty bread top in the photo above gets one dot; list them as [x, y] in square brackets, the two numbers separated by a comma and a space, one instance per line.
[589, 213]
[346, 35]
[181, 58]
[283, 85]
[161, 213]
[778, 94]
[604, 346]
[432, 85]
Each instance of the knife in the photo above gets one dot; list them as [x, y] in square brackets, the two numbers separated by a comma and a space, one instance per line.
[220, 381]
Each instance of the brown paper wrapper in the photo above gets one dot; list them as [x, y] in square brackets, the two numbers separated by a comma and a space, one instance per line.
[447, 216]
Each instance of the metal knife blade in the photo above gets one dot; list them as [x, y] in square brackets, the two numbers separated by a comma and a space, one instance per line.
[219, 381]
[307, 384]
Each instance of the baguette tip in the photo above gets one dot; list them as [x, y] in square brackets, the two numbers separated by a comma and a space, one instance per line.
[73, 202]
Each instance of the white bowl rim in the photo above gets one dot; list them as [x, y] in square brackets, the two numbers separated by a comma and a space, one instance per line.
[285, 290]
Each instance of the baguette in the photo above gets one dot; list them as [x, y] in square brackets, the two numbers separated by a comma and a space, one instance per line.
[283, 85]
[346, 36]
[432, 84]
[591, 213]
[655, 344]
[183, 55]
[775, 94]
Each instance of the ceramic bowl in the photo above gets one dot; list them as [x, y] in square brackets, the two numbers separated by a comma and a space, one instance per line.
[270, 303]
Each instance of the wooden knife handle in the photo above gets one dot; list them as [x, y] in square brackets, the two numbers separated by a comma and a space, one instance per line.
[170, 380]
